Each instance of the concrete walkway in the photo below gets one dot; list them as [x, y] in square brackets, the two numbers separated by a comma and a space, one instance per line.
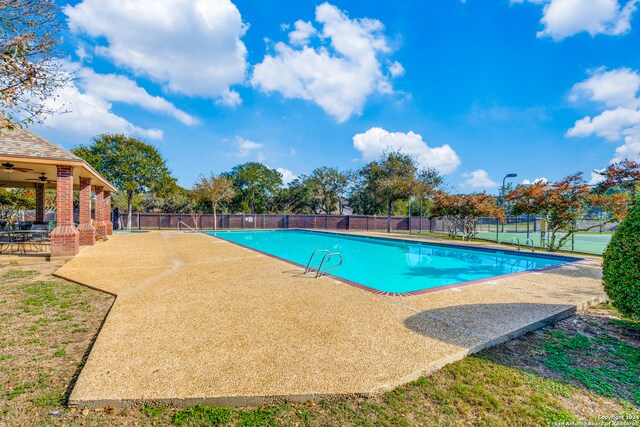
[200, 320]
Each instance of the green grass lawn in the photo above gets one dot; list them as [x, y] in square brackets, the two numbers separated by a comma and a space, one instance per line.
[581, 369]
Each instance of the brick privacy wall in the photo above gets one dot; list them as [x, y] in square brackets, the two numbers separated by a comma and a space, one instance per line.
[86, 230]
[64, 238]
[159, 221]
[39, 202]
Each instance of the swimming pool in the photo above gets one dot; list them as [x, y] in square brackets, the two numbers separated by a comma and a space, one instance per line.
[390, 265]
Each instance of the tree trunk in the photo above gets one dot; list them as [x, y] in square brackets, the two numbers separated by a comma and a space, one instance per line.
[389, 203]
[214, 205]
[552, 241]
[129, 209]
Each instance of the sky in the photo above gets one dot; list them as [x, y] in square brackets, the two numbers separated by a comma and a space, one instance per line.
[476, 88]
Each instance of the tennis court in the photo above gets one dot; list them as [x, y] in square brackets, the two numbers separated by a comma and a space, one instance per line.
[588, 242]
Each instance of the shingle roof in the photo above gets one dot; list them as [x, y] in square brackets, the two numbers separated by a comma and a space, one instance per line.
[23, 143]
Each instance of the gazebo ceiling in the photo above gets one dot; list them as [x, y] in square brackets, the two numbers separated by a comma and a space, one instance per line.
[25, 158]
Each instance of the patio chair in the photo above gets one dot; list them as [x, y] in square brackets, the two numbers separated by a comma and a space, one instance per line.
[41, 238]
[8, 242]
[5, 242]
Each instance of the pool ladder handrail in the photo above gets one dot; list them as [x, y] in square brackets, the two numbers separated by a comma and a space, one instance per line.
[186, 225]
[325, 259]
[532, 246]
[309, 266]
[515, 239]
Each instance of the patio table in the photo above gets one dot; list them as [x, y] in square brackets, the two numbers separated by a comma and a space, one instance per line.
[21, 238]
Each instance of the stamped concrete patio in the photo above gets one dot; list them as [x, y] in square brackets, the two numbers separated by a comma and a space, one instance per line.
[200, 320]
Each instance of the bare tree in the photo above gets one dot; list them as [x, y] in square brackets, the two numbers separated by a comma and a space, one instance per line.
[214, 189]
[31, 72]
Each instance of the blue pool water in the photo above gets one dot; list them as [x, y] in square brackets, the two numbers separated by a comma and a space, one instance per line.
[388, 265]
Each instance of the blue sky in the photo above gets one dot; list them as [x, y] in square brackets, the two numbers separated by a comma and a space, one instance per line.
[476, 89]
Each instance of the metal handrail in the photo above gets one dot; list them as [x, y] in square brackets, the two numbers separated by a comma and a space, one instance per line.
[326, 259]
[309, 267]
[186, 225]
[517, 240]
[532, 246]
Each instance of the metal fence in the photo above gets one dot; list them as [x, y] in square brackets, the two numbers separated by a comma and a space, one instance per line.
[530, 230]
[515, 230]
[159, 221]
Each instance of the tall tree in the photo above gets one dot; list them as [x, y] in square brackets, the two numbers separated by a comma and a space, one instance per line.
[623, 176]
[361, 198]
[214, 189]
[295, 197]
[392, 178]
[13, 201]
[30, 70]
[177, 200]
[428, 181]
[328, 186]
[132, 165]
[562, 204]
[462, 212]
[255, 182]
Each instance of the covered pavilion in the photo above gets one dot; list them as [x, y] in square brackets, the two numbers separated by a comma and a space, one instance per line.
[30, 161]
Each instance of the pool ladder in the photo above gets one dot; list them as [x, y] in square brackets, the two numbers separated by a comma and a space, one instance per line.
[180, 223]
[325, 259]
[528, 244]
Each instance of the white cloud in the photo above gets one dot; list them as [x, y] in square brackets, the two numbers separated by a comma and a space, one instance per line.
[87, 115]
[615, 88]
[396, 69]
[191, 47]
[340, 74]
[230, 98]
[302, 32]
[478, 179]
[565, 18]
[595, 178]
[375, 141]
[535, 181]
[617, 91]
[287, 175]
[629, 150]
[247, 148]
[610, 124]
[118, 88]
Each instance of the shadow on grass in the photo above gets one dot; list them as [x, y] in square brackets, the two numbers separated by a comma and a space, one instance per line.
[594, 353]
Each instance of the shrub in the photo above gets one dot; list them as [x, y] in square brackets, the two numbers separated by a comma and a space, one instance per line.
[621, 271]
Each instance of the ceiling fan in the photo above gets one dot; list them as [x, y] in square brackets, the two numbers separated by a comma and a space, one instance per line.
[10, 167]
[42, 178]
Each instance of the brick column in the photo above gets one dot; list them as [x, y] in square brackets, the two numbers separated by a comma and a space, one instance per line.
[86, 229]
[39, 202]
[101, 225]
[107, 212]
[64, 238]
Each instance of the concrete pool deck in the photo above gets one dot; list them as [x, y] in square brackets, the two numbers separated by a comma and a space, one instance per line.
[198, 320]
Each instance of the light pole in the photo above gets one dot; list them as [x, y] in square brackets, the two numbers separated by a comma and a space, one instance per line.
[501, 197]
[409, 212]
